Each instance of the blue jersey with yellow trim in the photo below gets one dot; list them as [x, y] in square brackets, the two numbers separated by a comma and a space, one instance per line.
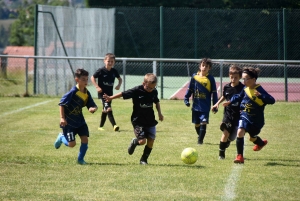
[73, 102]
[252, 107]
[202, 89]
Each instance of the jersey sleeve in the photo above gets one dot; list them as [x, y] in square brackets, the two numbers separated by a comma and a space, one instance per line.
[130, 93]
[97, 73]
[65, 100]
[265, 96]
[214, 89]
[189, 91]
[90, 101]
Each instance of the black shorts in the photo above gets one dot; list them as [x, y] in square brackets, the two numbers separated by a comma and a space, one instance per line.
[105, 104]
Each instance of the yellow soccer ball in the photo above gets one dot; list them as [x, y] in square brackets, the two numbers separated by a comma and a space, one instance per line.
[189, 155]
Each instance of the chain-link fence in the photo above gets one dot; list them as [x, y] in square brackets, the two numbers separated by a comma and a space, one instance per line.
[53, 75]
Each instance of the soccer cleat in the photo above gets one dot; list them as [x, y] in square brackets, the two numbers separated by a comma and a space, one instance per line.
[144, 162]
[116, 128]
[100, 129]
[131, 147]
[258, 148]
[81, 162]
[239, 159]
[58, 141]
[200, 142]
[221, 157]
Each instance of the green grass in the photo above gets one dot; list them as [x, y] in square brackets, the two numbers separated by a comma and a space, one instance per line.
[32, 169]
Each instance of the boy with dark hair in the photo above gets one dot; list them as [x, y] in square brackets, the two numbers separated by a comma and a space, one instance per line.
[253, 100]
[72, 120]
[231, 113]
[106, 78]
[142, 118]
[202, 86]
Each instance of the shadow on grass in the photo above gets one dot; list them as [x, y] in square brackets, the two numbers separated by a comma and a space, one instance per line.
[276, 162]
[160, 165]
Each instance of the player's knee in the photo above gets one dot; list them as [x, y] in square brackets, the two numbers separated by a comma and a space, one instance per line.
[72, 144]
[109, 109]
[142, 141]
[197, 125]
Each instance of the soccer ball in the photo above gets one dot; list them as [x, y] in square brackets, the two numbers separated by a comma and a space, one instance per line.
[189, 155]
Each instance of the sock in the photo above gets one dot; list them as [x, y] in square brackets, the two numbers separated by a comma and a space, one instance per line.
[147, 151]
[228, 143]
[202, 132]
[259, 141]
[111, 118]
[222, 148]
[240, 145]
[103, 119]
[82, 150]
[64, 140]
[197, 129]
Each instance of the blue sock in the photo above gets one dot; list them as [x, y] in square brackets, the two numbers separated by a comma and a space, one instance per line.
[82, 150]
[64, 140]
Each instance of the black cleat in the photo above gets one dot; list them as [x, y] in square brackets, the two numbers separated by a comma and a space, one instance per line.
[132, 146]
[143, 162]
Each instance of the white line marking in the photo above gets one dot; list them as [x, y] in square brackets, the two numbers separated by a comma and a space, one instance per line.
[24, 108]
[232, 182]
[179, 89]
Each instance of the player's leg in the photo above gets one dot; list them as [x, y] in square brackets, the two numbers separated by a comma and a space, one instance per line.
[259, 143]
[240, 141]
[83, 132]
[103, 115]
[111, 116]
[139, 139]
[67, 137]
[203, 122]
[150, 133]
[223, 141]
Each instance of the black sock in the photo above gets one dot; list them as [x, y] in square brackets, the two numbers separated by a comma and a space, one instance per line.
[197, 129]
[222, 148]
[259, 141]
[103, 119]
[111, 118]
[202, 132]
[228, 143]
[147, 152]
[240, 145]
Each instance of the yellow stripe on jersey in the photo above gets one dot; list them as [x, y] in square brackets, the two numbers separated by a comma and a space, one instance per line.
[204, 81]
[251, 95]
[83, 96]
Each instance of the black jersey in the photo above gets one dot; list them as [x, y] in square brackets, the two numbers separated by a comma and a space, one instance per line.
[143, 113]
[232, 111]
[106, 80]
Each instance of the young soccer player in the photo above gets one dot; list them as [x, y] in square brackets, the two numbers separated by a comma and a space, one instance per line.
[202, 86]
[142, 118]
[106, 78]
[72, 120]
[253, 100]
[231, 113]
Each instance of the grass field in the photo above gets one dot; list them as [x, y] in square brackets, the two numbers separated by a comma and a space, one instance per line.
[32, 169]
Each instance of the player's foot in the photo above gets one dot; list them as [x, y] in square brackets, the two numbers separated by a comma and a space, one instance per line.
[100, 129]
[258, 148]
[143, 162]
[81, 162]
[132, 146]
[239, 159]
[200, 142]
[58, 141]
[221, 157]
[116, 128]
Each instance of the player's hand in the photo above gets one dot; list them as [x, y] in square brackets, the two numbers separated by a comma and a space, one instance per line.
[63, 122]
[214, 109]
[99, 90]
[161, 117]
[256, 93]
[186, 102]
[225, 104]
[117, 87]
[107, 98]
[93, 109]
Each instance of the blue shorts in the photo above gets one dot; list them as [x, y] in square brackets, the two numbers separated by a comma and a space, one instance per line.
[249, 128]
[200, 117]
[70, 132]
[144, 132]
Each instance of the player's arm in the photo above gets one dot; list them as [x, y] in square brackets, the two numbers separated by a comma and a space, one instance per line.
[93, 80]
[63, 121]
[119, 84]
[109, 98]
[161, 117]
[216, 106]
[189, 92]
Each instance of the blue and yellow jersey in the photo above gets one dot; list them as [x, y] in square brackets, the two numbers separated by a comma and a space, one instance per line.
[73, 102]
[202, 89]
[252, 107]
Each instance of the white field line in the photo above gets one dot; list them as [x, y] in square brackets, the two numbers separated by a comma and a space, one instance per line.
[178, 89]
[24, 108]
[229, 190]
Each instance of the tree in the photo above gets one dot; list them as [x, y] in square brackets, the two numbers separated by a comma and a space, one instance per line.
[22, 30]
